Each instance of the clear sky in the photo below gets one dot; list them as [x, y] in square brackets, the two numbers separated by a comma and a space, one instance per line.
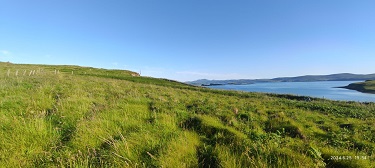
[193, 39]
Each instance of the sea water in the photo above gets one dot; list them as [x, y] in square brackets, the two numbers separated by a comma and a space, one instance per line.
[321, 89]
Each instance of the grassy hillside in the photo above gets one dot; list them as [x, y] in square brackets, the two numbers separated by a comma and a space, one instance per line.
[111, 118]
[365, 87]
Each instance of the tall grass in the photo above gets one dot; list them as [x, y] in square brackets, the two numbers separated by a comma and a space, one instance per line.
[109, 118]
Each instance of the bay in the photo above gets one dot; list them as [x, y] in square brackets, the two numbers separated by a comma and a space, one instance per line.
[320, 89]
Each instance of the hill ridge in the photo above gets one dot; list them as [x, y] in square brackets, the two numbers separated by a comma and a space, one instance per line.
[304, 78]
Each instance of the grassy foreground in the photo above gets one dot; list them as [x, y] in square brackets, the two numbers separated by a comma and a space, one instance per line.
[70, 116]
[365, 87]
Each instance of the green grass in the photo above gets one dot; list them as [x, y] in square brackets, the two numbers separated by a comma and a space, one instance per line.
[110, 118]
[366, 87]
[370, 85]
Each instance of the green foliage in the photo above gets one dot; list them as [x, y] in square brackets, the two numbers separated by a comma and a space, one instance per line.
[113, 118]
[344, 159]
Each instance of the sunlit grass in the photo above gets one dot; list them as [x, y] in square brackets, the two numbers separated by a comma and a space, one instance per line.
[104, 118]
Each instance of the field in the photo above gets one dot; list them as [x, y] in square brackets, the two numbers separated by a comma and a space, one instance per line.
[70, 116]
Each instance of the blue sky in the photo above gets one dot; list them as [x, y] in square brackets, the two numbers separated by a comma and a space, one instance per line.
[193, 39]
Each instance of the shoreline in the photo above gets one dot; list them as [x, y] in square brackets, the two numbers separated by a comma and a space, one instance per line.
[360, 87]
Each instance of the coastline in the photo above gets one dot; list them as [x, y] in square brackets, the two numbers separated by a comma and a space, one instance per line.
[363, 87]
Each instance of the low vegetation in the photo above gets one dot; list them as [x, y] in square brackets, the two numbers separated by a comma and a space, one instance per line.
[366, 87]
[70, 116]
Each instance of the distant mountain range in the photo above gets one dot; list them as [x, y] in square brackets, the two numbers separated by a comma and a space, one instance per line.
[306, 78]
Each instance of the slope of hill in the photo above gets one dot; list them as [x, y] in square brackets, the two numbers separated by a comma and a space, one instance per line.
[306, 78]
[53, 117]
[365, 87]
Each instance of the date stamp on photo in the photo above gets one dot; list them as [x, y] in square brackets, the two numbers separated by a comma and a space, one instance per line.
[346, 157]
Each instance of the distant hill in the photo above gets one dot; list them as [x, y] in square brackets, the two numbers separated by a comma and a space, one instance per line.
[365, 87]
[306, 78]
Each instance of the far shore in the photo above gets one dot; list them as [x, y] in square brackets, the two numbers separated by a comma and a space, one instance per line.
[364, 87]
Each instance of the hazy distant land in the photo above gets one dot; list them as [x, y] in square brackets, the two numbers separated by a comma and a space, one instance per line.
[306, 78]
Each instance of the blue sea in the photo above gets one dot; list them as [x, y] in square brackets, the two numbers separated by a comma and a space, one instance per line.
[321, 89]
